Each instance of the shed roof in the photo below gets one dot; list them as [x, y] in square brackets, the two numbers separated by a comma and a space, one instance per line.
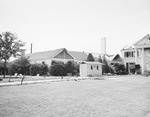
[92, 63]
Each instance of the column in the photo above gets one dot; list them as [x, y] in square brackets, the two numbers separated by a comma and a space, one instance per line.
[142, 61]
[136, 57]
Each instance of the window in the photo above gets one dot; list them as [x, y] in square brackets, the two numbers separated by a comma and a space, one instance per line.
[129, 54]
[91, 67]
[97, 68]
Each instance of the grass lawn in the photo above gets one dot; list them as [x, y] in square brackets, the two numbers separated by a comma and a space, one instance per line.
[112, 97]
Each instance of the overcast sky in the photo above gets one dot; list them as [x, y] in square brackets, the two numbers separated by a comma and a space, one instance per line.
[76, 25]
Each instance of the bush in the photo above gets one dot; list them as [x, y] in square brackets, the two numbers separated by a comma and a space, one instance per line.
[146, 73]
[2, 69]
[57, 70]
[137, 69]
[119, 69]
[72, 68]
[40, 69]
[20, 66]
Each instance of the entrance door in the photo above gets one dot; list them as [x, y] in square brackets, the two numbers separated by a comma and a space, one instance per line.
[127, 67]
[132, 68]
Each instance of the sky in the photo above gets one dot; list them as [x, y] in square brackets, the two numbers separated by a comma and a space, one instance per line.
[77, 25]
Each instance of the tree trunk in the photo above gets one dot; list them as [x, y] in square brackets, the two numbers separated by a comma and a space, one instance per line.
[4, 68]
[22, 79]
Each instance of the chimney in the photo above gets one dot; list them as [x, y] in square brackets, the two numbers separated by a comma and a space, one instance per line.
[103, 45]
[31, 49]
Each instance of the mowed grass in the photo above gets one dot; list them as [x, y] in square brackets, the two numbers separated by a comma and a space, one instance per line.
[112, 97]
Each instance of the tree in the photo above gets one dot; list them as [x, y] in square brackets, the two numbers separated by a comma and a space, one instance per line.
[105, 67]
[71, 67]
[119, 69]
[90, 57]
[44, 69]
[58, 69]
[9, 46]
[100, 59]
[20, 66]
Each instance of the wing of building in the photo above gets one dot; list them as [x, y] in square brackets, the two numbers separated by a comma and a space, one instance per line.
[137, 55]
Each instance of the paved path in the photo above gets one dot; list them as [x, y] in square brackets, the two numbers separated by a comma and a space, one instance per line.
[40, 81]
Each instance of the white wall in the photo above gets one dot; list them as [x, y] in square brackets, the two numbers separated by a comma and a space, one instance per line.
[85, 70]
[147, 59]
[47, 61]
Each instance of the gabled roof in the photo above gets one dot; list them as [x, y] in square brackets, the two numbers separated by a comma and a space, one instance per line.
[139, 41]
[78, 55]
[128, 47]
[52, 53]
[44, 55]
[117, 59]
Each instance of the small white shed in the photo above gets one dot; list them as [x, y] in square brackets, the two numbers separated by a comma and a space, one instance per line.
[90, 69]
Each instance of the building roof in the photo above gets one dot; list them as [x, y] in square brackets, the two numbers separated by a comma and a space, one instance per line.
[132, 47]
[52, 53]
[128, 47]
[43, 55]
[117, 58]
[78, 55]
[145, 37]
[92, 63]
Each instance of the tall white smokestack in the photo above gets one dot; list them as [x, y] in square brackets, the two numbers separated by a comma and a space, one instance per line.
[103, 45]
[31, 49]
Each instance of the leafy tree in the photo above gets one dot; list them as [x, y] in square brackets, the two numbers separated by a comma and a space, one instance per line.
[100, 59]
[9, 46]
[58, 69]
[2, 68]
[72, 67]
[90, 57]
[20, 66]
[119, 69]
[44, 69]
[40, 69]
[34, 69]
[105, 67]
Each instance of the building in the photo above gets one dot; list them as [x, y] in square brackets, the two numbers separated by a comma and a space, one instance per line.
[88, 69]
[137, 55]
[64, 55]
[58, 55]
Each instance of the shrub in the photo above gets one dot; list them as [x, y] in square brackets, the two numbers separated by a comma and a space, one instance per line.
[146, 73]
[40, 69]
[57, 70]
[20, 66]
[137, 69]
[2, 69]
[72, 67]
[119, 69]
